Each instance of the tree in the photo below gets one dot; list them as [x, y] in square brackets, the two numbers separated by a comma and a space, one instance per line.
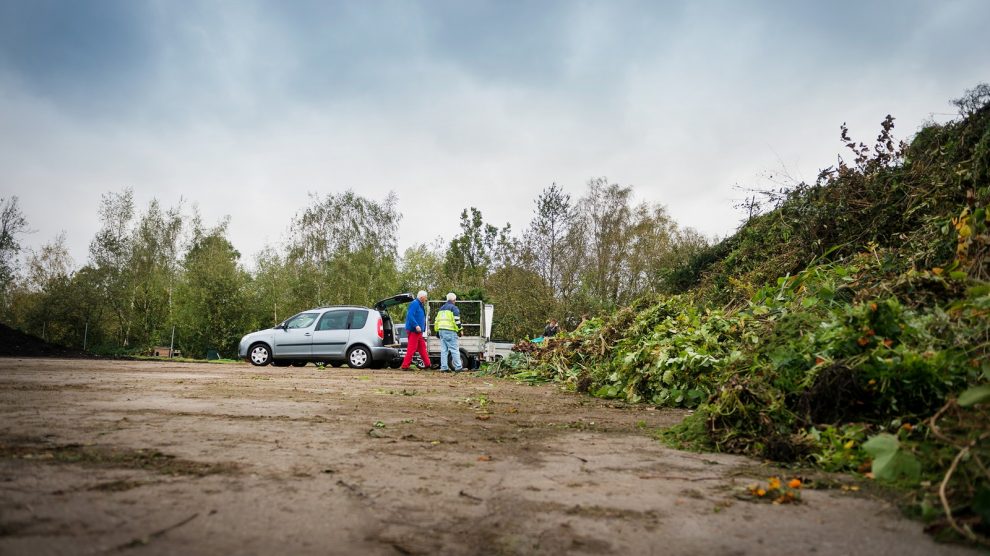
[270, 286]
[343, 250]
[12, 225]
[421, 268]
[49, 308]
[212, 301]
[652, 234]
[606, 217]
[546, 238]
[154, 269]
[478, 250]
[523, 302]
[110, 253]
[50, 264]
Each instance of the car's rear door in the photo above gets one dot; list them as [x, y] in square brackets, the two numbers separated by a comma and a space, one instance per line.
[295, 339]
[330, 336]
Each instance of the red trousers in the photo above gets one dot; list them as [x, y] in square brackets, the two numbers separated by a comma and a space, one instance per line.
[416, 343]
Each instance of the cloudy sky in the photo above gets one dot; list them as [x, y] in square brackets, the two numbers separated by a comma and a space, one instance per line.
[244, 108]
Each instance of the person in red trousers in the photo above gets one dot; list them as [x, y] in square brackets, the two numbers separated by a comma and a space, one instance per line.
[416, 329]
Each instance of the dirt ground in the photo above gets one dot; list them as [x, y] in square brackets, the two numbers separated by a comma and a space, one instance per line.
[170, 458]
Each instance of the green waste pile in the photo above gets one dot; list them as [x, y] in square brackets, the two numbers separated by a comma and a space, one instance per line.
[870, 353]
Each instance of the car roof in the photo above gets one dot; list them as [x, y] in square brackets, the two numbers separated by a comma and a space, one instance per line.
[335, 307]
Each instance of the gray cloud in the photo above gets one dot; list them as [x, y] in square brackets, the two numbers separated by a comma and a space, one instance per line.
[244, 107]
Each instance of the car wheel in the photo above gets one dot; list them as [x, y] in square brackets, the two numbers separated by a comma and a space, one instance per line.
[358, 357]
[260, 355]
[298, 363]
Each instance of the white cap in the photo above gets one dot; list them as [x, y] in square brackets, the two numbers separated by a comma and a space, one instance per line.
[422, 293]
[451, 296]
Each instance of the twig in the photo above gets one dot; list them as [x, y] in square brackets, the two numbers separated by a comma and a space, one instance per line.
[353, 488]
[677, 478]
[933, 422]
[470, 496]
[146, 539]
[964, 531]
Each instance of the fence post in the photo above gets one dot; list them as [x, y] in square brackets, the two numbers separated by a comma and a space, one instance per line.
[85, 335]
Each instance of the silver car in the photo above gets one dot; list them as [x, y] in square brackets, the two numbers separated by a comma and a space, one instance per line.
[358, 336]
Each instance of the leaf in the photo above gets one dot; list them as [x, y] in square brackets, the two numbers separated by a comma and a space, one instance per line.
[890, 462]
[975, 395]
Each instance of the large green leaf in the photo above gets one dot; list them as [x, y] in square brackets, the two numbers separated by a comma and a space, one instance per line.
[975, 395]
[890, 462]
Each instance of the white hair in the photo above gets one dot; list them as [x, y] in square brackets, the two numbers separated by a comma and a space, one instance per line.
[451, 296]
[422, 293]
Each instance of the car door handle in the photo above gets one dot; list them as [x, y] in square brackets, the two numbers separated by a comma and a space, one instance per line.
[307, 334]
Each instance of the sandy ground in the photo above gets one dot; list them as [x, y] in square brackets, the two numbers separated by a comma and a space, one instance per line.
[170, 458]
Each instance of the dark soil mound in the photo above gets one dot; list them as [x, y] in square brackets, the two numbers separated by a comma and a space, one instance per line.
[14, 343]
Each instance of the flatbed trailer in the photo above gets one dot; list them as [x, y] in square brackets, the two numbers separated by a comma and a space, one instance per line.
[476, 328]
[474, 344]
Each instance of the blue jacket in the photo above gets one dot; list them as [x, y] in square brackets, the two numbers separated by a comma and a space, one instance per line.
[415, 316]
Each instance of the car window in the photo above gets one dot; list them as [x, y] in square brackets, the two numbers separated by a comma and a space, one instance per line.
[358, 319]
[333, 320]
[302, 320]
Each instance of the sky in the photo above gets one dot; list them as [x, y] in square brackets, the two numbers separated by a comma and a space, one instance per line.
[244, 108]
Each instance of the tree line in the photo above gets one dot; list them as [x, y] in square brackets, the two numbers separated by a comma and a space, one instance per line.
[149, 271]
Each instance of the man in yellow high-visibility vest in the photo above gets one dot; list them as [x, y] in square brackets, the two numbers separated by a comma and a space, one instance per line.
[447, 323]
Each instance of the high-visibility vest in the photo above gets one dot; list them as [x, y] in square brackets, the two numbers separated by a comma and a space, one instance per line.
[446, 321]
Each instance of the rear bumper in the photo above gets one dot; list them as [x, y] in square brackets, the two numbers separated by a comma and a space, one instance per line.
[383, 354]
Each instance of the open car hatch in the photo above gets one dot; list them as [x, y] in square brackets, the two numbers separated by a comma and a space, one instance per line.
[399, 299]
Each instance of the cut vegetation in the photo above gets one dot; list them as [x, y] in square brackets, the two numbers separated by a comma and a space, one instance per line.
[846, 328]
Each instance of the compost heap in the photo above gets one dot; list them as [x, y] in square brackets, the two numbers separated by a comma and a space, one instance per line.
[847, 328]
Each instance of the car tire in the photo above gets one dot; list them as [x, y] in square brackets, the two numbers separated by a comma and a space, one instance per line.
[260, 355]
[358, 357]
[298, 363]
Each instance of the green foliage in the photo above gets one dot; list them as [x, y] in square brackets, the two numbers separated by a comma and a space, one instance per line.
[891, 461]
[856, 354]
[837, 447]
[211, 296]
[975, 395]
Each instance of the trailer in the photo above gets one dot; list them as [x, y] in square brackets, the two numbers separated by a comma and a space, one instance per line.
[495, 351]
[476, 328]
[474, 343]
